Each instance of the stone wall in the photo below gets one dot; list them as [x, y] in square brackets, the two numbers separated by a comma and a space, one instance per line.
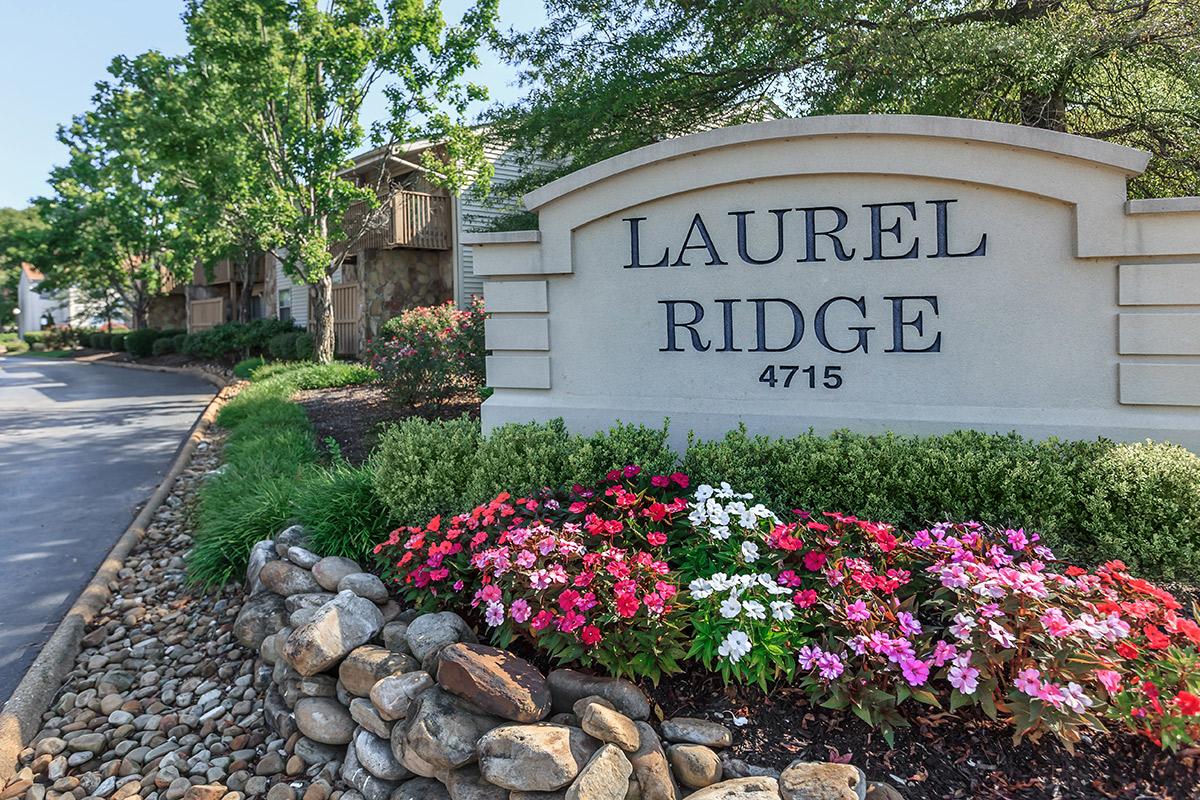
[400, 705]
[395, 280]
[168, 312]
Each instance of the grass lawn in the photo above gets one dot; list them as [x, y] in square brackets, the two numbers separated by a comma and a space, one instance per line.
[48, 354]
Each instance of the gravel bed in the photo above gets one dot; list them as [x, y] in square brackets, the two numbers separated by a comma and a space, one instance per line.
[163, 702]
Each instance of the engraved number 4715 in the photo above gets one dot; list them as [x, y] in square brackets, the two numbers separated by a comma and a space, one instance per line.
[785, 373]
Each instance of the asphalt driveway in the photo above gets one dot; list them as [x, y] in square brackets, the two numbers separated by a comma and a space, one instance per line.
[82, 447]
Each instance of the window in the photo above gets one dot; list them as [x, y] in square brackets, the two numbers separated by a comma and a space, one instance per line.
[285, 304]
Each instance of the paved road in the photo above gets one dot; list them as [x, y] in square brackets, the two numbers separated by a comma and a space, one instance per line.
[82, 447]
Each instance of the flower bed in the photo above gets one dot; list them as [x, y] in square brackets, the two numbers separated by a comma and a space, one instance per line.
[858, 614]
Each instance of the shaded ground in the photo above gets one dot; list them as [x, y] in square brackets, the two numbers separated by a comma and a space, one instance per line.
[352, 415]
[81, 448]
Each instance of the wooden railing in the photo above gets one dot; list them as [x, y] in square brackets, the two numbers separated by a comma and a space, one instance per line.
[417, 220]
[206, 314]
[422, 220]
[345, 318]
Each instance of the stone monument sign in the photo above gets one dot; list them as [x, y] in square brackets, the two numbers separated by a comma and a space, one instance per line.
[915, 274]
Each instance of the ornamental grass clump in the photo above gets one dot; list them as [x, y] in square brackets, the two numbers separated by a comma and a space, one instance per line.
[430, 353]
[580, 574]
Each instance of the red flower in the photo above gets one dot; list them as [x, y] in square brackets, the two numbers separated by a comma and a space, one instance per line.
[656, 538]
[661, 481]
[656, 511]
[541, 620]
[814, 560]
[680, 479]
[1127, 650]
[627, 604]
[435, 523]
[1156, 639]
[805, 598]
[590, 635]
[568, 599]
[578, 507]
[1189, 704]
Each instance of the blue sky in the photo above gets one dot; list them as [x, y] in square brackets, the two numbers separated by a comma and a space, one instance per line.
[53, 51]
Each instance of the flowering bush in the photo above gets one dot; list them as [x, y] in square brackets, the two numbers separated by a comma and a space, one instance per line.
[428, 353]
[856, 613]
[580, 575]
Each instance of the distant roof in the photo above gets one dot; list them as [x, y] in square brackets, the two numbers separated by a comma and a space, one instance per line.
[32, 272]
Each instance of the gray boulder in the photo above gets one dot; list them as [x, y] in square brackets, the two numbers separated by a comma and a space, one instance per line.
[443, 731]
[285, 578]
[375, 755]
[324, 720]
[262, 615]
[568, 686]
[429, 633]
[331, 569]
[344, 623]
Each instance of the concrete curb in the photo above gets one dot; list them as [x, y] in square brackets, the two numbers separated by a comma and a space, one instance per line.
[216, 380]
[21, 716]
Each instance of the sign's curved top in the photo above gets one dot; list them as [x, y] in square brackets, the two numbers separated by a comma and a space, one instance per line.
[1118, 158]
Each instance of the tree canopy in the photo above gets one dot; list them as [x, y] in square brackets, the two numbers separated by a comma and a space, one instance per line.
[1126, 71]
[19, 232]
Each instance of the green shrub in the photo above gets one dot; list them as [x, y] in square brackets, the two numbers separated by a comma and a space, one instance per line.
[245, 368]
[163, 345]
[272, 368]
[340, 511]
[100, 341]
[235, 511]
[521, 458]
[14, 345]
[140, 343]
[37, 337]
[305, 347]
[235, 338]
[1141, 503]
[117, 342]
[596, 455]
[424, 468]
[282, 346]
[332, 375]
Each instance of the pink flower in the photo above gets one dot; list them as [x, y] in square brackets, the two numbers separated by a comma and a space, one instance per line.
[627, 604]
[567, 599]
[541, 620]
[805, 598]
[963, 624]
[857, 611]
[808, 656]
[908, 624]
[943, 652]
[526, 559]
[653, 602]
[570, 621]
[915, 671]
[962, 675]
[1028, 681]
[1109, 679]
[519, 610]
[814, 560]
[495, 614]
[1017, 539]
[1075, 699]
[656, 538]
[1002, 635]
[1055, 623]
[830, 666]
[590, 635]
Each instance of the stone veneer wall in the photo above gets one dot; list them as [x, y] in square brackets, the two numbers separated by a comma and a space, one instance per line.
[395, 280]
[408, 706]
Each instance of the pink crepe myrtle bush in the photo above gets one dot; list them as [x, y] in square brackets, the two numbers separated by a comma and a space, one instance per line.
[582, 574]
[958, 613]
[428, 353]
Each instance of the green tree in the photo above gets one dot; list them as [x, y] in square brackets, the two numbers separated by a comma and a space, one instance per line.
[294, 75]
[19, 232]
[1126, 71]
[110, 226]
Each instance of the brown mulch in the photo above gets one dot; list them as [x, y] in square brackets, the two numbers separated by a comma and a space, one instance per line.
[942, 756]
[352, 415]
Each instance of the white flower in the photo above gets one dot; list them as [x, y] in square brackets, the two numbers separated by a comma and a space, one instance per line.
[731, 607]
[740, 721]
[720, 532]
[736, 645]
[725, 492]
[703, 492]
[700, 588]
[754, 609]
[749, 552]
[782, 610]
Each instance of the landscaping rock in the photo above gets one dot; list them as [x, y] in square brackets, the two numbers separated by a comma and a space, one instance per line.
[366, 665]
[651, 768]
[737, 768]
[429, 633]
[261, 616]
[365, 715]
[302, 557]
[324, 720]
[375, 755]
[609, 725]
[342, 624]
[442, 731]
[495, 681]
[528, 758]
[312, 752]
[355, 774]
[260, 554]
[419, 789]
[292, 536]
[395, 637]
[739, 789]
[330, 570]
[296, 602]
[392, 695]
[691, 730]
[285, 578]
[814, 780]
[364, 584]
[604, 777]
[694, 765]
[467, 783]
[568, 686]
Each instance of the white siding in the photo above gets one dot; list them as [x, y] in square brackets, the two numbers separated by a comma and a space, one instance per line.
[472, 215]
[299, 294]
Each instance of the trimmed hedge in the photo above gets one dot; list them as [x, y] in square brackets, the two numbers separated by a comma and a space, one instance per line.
[235, 338]
[140, 343]
[1092, 501]
[305, 347]
[117, 342]
[282, 346]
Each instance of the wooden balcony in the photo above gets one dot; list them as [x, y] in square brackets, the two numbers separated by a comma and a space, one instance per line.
[416, 220]
[222, 273]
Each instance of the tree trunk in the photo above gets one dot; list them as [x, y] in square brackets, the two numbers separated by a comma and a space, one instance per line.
[247, 295]
[322, 314]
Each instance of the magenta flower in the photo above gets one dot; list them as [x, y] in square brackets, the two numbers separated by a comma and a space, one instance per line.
[519, 610]
[830, 666]
[857, 611]
[915, 671]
